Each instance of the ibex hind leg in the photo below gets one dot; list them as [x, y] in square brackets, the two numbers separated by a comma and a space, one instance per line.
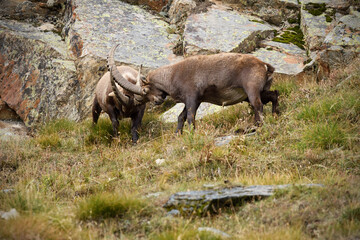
[271, 96]
[256, 103]
[191, 108]
[114, 117]
[135, 124]
[96, 110]
[181, 121]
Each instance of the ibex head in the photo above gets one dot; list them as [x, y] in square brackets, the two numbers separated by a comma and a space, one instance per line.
[143, 89]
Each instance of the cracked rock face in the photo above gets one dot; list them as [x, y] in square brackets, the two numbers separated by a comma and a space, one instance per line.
[222, 31]
[314, 29]
[38, 81]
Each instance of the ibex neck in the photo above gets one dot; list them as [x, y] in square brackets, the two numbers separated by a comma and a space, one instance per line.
[160, 77]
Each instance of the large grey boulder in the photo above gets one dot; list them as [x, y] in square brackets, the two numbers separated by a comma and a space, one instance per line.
[286, 58]
[223, 31]
[171, 115]
[37, 78]
[94, 26]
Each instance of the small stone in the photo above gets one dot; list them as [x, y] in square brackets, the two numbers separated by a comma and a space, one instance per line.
[46, 27]
[10, 214]
[10, 190]
[174, 213]
[221, 141]
[156, 194]
[215, 231]
[160, 161]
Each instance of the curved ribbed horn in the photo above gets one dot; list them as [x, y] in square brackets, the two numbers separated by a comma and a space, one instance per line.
[119, 78]
[119, 95]
[138, 79]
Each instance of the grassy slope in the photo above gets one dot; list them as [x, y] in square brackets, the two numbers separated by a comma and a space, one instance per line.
[70, 180]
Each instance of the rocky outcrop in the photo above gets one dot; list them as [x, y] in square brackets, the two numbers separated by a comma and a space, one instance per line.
[38, 80]
[331, 30]
[223, 31]
[180, 9]
[273, 11]
[6, 113]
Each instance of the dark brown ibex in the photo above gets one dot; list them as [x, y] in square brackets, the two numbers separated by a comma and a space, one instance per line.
[117, 102]
[222, 79]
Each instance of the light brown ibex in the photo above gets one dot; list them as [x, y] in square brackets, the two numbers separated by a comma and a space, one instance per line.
[222, 79]
[117, 102]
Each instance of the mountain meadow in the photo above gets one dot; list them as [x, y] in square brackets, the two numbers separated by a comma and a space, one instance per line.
[70, 180]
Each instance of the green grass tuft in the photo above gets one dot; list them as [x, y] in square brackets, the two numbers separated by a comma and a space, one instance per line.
[352, 214]
[325, 135]
[107, 205]
[285, 88]
[186, 234]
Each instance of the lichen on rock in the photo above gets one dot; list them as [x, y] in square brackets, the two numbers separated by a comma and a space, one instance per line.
[223, 31]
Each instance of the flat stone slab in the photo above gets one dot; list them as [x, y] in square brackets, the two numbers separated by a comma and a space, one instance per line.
[171, 115]
[97, 25]
[204, 201]
[286, 58]
[223, 31]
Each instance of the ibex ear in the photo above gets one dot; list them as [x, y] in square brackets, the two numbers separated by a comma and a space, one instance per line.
[144, 80]
[146, 90]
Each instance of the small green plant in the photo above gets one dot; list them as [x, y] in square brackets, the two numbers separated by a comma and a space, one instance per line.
[285, 88]
[58, 126]
[185, 234]
[52, 141]
[107, 205]
[25, 200]
[315, 9]
[324, 135]
[99, 133]
[320, 109]
[352, 214]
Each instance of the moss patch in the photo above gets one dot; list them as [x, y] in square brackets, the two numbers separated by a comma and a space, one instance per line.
[257, 21]
[315, 9]
[291, 35]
